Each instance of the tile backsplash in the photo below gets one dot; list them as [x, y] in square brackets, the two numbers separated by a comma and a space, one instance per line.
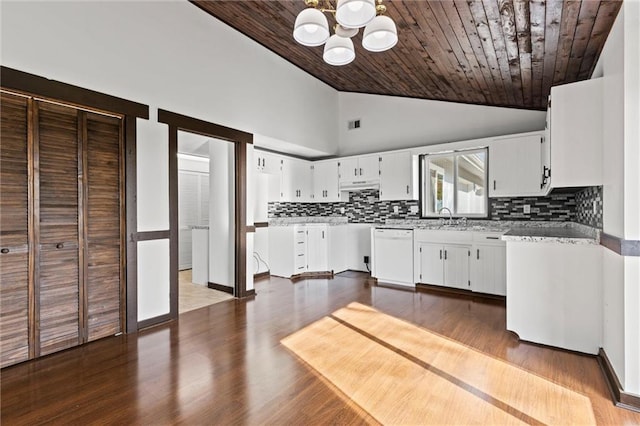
[555, 207]
[366, 207]
[589, 206]
[362, 207]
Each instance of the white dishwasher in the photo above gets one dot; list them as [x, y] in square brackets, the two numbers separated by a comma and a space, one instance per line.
[392, 254]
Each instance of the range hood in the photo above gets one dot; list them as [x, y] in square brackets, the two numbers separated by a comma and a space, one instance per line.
[359, 185]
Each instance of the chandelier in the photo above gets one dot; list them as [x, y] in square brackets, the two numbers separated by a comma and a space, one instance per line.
[312, 28]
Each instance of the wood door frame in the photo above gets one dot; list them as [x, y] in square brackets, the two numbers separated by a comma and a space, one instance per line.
[240, 140]
[32, 85]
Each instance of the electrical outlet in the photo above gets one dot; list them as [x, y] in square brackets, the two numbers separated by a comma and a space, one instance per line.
[595, 207]
[366, 260]
[341, 210]
[527, 209]
[396, 209]
[413, 209]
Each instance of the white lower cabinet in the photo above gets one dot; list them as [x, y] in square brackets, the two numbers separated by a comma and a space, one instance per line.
[304, 248]
[430, 266]
[489, 264]
[461, 259]
[445, 265]
[317, 248]
[555, 294]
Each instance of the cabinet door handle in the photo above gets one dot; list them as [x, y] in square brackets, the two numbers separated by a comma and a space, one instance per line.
[445, 255]
[494, 185]
[407, 189]
[4, 250]
[478, 254]
[355, 172]
[440, 254]
[263, 162]
[59, 245]
[323, 235]
[361, 171]
[258, 162]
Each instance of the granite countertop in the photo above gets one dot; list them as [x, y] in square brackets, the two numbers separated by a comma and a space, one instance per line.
[328, 220]
[527, 231]
[533, 231]
[576, 234]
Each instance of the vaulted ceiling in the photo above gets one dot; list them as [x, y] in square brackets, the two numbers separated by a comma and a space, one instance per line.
[489, 52]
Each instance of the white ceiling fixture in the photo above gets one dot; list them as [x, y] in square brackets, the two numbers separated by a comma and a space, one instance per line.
[312, 28]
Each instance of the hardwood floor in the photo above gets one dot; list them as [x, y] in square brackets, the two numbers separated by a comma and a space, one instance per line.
[224, 364]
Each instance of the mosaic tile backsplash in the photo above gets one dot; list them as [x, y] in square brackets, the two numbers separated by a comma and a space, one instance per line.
[362, 207]
[366, 207]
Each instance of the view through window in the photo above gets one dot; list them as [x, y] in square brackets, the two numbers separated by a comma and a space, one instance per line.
[456, 181]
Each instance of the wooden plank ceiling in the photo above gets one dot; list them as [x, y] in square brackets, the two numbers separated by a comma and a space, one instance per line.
[489, 52]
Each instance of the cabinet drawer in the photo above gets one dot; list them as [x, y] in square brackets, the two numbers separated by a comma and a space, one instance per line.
[300, 262]
[488, 237]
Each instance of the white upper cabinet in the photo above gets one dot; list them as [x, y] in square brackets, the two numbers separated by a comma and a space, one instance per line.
[515, 166]
[296, 180]
[396, 176]
[359, 169]
[325, 181]
[267, 162]
[575, 123]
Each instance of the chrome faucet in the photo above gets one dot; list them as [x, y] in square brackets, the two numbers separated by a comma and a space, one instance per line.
[450, 214]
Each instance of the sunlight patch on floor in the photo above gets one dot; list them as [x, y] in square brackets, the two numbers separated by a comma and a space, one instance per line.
[402, 374]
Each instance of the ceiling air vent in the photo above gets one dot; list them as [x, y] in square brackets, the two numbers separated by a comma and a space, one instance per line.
[354, 124]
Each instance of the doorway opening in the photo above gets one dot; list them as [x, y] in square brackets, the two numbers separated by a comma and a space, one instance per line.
[205, 196]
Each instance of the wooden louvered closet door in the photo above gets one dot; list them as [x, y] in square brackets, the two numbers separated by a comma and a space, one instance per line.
[62, 228]
[14, 231]
[104, 232]
[57, 252]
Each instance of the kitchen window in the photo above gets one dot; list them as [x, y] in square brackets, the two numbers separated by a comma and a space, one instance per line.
[456, 181]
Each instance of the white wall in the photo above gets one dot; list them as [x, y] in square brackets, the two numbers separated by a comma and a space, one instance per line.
[389, 122]
[221, 213]
[153, 278]
[619, 68]
[172, 55]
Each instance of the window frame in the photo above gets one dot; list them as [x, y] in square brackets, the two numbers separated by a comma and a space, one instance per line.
[425, 182]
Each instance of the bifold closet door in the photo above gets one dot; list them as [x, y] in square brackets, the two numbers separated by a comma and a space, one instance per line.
[14, 230]
[103, 232]
[58, 252]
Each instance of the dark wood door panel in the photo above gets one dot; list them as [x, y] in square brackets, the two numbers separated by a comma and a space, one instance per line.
[14, 228]
[14, 305]
[13, 171]
[103, 227]
[58, 173]
[59, 297]
[58, 262]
